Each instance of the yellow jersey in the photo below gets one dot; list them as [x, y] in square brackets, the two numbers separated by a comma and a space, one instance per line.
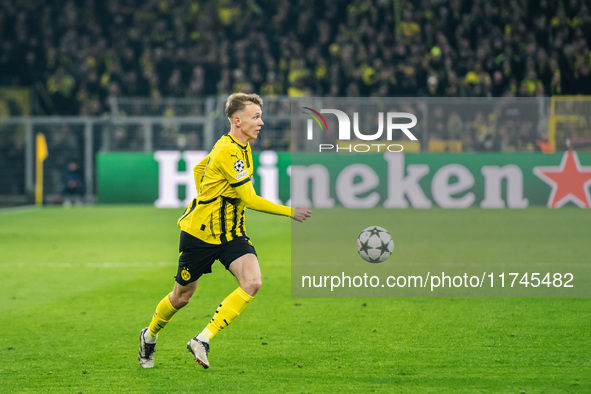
[224, 190]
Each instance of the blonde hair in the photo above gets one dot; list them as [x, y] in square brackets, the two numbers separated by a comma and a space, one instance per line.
[237, 101]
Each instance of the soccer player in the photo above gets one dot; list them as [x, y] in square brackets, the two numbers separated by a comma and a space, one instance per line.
[212, 228]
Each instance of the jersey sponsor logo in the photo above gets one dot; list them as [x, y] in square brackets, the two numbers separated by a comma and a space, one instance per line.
[239, 165]
[241, 175]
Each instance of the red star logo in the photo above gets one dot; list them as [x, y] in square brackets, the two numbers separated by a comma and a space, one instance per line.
[570, 181]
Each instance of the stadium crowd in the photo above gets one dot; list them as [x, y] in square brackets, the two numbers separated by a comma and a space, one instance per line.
[78, 53]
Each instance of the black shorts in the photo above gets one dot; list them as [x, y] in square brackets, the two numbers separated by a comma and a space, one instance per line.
[196, 257]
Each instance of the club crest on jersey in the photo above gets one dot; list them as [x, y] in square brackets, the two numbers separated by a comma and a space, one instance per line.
[239, 165]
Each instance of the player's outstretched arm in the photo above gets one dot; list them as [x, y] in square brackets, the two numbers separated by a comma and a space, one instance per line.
[258, 203]
[253, 201]
[301, 214]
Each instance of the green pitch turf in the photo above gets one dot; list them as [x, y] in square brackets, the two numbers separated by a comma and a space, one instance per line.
[79, 284]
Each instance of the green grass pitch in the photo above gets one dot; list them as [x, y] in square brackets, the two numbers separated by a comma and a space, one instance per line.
[78, 285]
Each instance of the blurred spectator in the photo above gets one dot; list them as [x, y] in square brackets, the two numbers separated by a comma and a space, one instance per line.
[73, 191]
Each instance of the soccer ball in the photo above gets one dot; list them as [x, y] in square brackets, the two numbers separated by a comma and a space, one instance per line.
[375, 244]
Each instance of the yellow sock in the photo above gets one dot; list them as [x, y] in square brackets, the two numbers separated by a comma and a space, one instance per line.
[164, 312]
[228, 310]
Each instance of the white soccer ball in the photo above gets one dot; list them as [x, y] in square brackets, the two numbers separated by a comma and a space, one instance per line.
[375, 244]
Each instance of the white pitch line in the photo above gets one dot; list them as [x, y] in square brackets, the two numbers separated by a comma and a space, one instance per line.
[144, 264]
[21, 209]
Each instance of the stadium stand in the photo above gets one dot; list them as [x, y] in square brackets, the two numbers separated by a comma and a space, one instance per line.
[79, 53]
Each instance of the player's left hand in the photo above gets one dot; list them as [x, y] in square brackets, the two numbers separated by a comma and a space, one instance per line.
[301, 214]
